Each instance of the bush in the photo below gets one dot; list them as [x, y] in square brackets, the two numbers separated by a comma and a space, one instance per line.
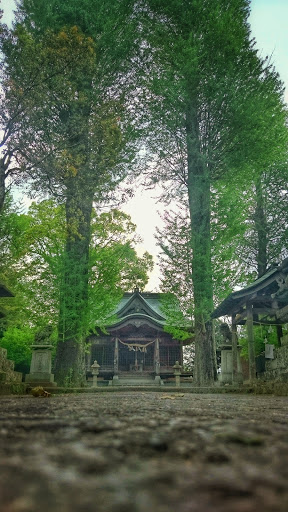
[18, 344]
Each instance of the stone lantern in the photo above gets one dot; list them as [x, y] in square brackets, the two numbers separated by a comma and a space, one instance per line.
[177, 372]
[95, 372]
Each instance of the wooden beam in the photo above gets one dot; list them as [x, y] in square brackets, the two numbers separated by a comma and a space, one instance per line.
[264, 311]
[256, 311]
[128, 339]
[282, 313]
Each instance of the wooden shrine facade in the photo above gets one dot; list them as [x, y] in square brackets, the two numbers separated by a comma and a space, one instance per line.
[136, 342]
[264, 302]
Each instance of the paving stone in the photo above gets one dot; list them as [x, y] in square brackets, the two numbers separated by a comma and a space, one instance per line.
[138, 451]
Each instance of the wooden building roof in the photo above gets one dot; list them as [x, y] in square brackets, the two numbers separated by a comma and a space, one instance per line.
[4, 291]
[142, 311]
[143, 306]
[268, 295]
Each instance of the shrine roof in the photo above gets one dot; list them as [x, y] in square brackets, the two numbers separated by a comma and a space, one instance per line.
[140, 309]
[4, 292]
[141, 303]
[140, 316]
[262, 289]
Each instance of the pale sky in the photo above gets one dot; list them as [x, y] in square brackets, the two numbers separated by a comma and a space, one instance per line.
[269, 25]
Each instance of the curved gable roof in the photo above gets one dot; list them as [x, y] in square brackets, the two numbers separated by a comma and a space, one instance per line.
[137, 303]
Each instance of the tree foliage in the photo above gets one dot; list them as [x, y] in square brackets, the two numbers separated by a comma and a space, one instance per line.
[17, 342]
[38, 256]
[174, 241]
[223, 110]
[81, 149]
[82, 90]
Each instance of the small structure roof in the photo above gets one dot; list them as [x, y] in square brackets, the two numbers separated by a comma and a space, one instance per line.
[268, 294]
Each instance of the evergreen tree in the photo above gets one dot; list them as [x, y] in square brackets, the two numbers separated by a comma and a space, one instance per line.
[78, 116]
[222, 106]
[174, 241]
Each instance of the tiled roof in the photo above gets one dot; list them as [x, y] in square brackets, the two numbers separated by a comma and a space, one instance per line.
[151, 302]
[263, 286]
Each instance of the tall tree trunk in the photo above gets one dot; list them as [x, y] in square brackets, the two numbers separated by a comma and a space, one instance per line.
[199, 205]
[69, 363]
[261, 229]
[2, 183]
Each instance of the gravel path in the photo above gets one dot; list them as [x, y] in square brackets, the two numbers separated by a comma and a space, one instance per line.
[144, 452]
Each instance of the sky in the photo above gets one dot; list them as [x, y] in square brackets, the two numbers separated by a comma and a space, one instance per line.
[269, 25]
[268, 20]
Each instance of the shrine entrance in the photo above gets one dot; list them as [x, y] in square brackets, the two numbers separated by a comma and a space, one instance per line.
[135, 345]
[135, 356]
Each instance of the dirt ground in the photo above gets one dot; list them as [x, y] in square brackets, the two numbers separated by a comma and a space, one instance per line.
[144, 452]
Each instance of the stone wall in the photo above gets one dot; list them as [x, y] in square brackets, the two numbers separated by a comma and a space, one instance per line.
[277, 369]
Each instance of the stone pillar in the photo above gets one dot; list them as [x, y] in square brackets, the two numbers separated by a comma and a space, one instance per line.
[227, 369]
[95, 372]
[40, 368]
[226, 364]
[250, 337]
[237, 375]
[116, 357]
[177, 372]
[157, 357]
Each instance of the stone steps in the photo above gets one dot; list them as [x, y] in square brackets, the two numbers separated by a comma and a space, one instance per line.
[135, 380]
[7, 373]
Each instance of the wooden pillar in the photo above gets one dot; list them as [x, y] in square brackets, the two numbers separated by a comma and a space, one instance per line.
[234, 349]
[250, 337]
[237, 375]
[181, 353]
[157, 357]
[116, 357]
[279, 331]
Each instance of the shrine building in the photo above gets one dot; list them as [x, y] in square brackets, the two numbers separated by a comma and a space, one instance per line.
[136, 345]
[264, 303]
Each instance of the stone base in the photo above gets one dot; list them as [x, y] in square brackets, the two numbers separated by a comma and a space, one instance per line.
[43, 384]
[115, 381]
[158, 380]
[40, 379]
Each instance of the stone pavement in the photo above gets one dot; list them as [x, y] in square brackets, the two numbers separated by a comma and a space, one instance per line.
[143, 452]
